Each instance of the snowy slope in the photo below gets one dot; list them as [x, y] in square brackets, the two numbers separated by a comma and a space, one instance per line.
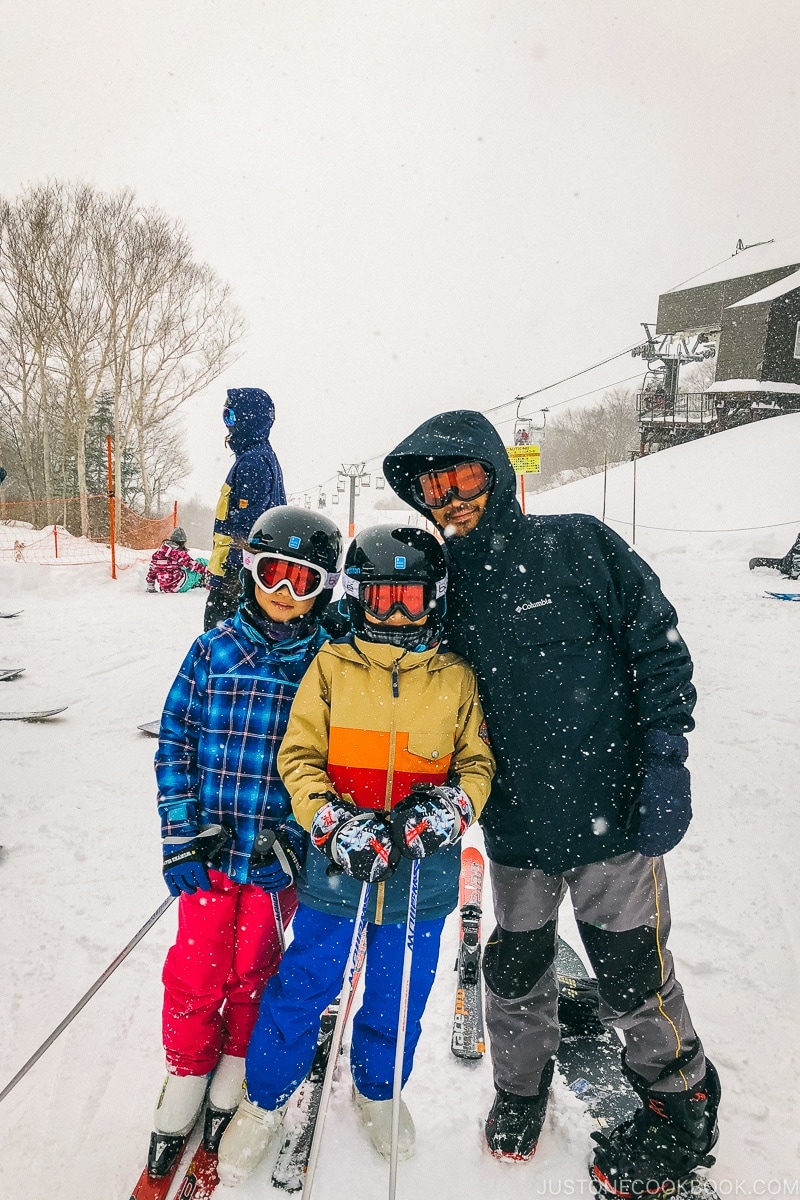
[80, 864]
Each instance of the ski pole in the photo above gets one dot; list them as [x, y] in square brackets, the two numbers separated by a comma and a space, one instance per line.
[265, 848]
[216, 838]
[402, 1022]
[84, 1000]
[350, 974]
[276, 911]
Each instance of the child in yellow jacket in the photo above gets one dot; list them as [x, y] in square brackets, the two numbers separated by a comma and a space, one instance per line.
[386, 760]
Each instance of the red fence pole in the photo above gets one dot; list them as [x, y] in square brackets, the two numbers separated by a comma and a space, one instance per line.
[111, 513]
[55, 538]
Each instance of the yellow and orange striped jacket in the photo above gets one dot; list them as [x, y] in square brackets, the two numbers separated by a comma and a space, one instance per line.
[368, 722]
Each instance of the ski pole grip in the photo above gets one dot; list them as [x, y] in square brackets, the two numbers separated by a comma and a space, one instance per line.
[212, 841]
[264, 849]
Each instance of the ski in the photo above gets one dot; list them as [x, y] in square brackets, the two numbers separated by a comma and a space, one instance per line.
[468, 1040]
[301, 1113]
[11, 614]
[7, 673]
[783, 595]
[33, 714]
[151, 728]
[201, 1178]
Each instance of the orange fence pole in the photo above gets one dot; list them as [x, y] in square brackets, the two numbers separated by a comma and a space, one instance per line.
[522, 492]
[111, 515]
[175, 515]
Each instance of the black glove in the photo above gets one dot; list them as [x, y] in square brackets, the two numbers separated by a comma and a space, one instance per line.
[664, 805]
[355, 839]
[429, 819]
[277, 856]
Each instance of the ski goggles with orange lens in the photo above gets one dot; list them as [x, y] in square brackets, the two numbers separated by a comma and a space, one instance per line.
[380, 600]
[462, 481]
[304, 580]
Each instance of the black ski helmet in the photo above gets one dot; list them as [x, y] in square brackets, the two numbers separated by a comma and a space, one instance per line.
[302, 535]
[395, 554]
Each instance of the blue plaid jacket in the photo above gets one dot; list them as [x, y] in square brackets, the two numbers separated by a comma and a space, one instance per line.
[221, 729]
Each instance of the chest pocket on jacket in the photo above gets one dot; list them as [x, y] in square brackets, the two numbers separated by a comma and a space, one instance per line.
[435, 745]
[567, 622]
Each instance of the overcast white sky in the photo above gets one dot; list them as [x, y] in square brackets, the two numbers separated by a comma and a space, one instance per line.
[420, 204]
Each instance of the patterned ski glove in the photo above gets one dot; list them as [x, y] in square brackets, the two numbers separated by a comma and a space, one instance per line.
[357, 840]
[664, 805]
[278, 855]
[429, 819]
[185, 859]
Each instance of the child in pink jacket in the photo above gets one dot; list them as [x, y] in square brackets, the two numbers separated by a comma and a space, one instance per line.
[172, 568]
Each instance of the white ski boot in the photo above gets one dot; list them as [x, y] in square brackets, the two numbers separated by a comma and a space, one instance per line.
[179, 1104]
[246, 1141]
[224, 1096]
[177, 1110]
[376, 1117]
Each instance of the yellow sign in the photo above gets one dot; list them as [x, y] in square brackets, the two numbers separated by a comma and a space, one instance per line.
[525, 459]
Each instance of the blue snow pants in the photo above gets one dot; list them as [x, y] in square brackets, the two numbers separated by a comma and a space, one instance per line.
[310, 976]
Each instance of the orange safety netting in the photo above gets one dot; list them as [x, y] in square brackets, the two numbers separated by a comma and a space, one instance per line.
[63, 531]
[142, 533]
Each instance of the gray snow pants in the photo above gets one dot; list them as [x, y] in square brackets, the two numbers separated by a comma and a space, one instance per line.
[622, 909]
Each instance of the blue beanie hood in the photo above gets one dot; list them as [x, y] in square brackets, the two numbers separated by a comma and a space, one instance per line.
[255, 414]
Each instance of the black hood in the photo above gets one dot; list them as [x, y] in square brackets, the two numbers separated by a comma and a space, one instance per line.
[451, 437]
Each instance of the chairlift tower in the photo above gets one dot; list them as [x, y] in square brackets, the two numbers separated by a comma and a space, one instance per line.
[354, 472]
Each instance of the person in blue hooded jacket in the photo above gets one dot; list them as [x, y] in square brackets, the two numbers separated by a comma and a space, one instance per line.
[253, 485]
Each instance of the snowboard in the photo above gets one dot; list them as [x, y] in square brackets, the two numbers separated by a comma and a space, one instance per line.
[8, 673]
[783, 595]
[151, 728]
[589, 1058]
[11, 614]
[33, 714]
[589, 1055]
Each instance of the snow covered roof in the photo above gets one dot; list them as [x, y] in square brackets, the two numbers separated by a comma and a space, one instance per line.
[769, 257]
[755, 385]
[789, 283]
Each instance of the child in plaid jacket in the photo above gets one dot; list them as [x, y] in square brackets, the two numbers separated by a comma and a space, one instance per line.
[221, 729]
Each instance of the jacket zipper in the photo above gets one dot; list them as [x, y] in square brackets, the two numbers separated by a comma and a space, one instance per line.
[387, 801]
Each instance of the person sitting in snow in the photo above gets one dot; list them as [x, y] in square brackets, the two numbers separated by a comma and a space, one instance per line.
[789, 565]
[172, 568]
[221, 728]
[386, 760]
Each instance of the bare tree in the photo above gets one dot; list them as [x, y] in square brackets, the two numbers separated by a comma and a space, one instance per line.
[99, 296]
[580, 442]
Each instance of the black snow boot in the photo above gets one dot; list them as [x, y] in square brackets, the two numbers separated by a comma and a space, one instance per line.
[661, 1144]
[515, 1122]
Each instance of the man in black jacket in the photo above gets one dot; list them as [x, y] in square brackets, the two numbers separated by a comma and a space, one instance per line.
[586, 686]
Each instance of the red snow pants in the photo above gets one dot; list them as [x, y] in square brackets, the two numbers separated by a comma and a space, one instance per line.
[226, 949]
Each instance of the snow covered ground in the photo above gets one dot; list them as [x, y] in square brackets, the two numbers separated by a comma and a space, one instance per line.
[80, 867]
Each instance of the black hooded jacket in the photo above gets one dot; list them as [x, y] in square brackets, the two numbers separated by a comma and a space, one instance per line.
[576, 652]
